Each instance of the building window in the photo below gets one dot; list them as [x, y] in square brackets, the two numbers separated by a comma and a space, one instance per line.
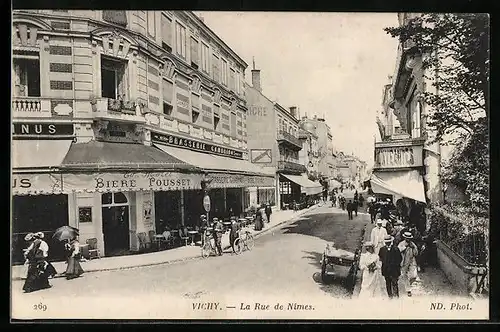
[113, 78]
[166, 32]
[238, 83]
[205, 58]
[194, 116]
[194, 53]
[224, 72]
[118, 17]
[26, 77]
[232, 79]
[180, 38]
[151, 23]
[215, 68]
[216, 122]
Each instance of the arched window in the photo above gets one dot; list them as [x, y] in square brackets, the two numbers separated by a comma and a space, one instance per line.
[113, 199]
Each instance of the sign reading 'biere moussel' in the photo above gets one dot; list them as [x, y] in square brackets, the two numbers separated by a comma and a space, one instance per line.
[186, 143]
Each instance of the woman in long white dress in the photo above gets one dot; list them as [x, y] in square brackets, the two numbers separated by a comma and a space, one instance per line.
[371, 278]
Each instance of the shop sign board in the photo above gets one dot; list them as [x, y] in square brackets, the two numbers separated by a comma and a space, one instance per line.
[116, 182]
[42, 129]
[222, 180]
[185, 143]
[398, 157]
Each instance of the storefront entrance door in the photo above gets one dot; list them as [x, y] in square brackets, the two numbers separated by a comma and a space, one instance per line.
[115, 224]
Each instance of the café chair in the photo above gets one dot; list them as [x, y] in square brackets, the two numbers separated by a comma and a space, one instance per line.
[93, 250]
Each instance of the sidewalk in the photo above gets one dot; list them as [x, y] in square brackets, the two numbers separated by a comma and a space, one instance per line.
[162, 257]
[432, 281]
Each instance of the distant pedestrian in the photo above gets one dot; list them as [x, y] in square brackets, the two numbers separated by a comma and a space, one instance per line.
[258, 220]
[349, 209]
[74, 269]
[361, 200]
[391, 258]
[268, 212]
[378, 235]
[355, 206]
[234, 233]
[217, 230]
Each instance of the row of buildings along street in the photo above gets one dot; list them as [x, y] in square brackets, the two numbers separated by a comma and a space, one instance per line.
[137, 129]
[122, 118]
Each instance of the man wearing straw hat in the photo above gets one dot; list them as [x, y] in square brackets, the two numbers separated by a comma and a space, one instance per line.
[409, 251]
[390, 256]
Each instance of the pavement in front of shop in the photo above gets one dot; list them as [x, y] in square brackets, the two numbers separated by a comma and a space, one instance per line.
[432, 279]
[170, 256]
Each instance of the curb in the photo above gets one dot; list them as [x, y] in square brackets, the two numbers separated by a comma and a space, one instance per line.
[181, 259]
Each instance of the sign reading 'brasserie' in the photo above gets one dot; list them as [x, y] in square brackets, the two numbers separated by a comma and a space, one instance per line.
[194, 145]
[49, 129]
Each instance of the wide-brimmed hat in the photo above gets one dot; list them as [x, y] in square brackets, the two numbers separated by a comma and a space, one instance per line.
[388, 238]
[29, 237]
[216, 219]
[388, 199]
[203, 216]
[407, 235]
[368, 244]
[380, 221]
[39, 235]
[399, 222]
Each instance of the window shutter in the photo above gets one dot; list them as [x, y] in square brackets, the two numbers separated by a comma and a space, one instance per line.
[194, 51]
[168, 91]
[166, 33]
[195, 101]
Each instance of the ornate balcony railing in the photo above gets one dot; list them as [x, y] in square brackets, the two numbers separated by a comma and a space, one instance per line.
[39, 107]
[119, 110]
[291, 140]
[290, 166]
[401, 153]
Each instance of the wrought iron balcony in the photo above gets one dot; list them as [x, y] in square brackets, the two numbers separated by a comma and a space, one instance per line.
[290, 140]
[399, 153]
[118, 110]
[290, 166]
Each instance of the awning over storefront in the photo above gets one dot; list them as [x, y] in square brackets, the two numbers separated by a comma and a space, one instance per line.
[307, 186]
[36, 184]
[100, 156]
[400, 183]
[38, 154]
[222, 171]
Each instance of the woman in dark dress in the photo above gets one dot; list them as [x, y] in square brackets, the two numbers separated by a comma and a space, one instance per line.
[36, 278]
[258, 220]
[74, 269]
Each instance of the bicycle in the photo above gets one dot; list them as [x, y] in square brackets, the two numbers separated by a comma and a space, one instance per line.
[244, 241]
[208, 245]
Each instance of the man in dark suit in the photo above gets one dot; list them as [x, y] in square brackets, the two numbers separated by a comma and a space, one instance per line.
[349, 209]
[391, 258]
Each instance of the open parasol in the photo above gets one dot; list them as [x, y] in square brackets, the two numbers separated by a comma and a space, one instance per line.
[65, 233]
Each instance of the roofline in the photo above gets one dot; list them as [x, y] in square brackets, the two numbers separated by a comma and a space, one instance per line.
[192, 15]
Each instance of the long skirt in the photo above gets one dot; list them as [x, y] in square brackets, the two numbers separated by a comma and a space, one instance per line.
[50, 270]
[258, 224]
[372, 284]
[36, 278]
[74, 269]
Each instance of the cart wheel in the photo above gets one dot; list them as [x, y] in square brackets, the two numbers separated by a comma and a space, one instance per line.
[250, 242]
[324, 277]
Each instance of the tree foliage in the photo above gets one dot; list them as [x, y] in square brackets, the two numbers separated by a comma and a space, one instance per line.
[455, 56]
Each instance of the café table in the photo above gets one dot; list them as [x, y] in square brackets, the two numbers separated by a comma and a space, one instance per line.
[193, 234]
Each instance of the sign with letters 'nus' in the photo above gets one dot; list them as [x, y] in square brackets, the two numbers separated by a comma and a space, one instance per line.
[42, 129]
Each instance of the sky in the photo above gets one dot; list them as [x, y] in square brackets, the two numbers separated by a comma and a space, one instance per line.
[333, 65]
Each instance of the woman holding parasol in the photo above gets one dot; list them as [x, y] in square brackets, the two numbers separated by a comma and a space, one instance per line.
[72, 246]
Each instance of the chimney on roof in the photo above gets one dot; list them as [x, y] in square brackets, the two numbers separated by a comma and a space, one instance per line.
[293, 111]
[256, 77]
